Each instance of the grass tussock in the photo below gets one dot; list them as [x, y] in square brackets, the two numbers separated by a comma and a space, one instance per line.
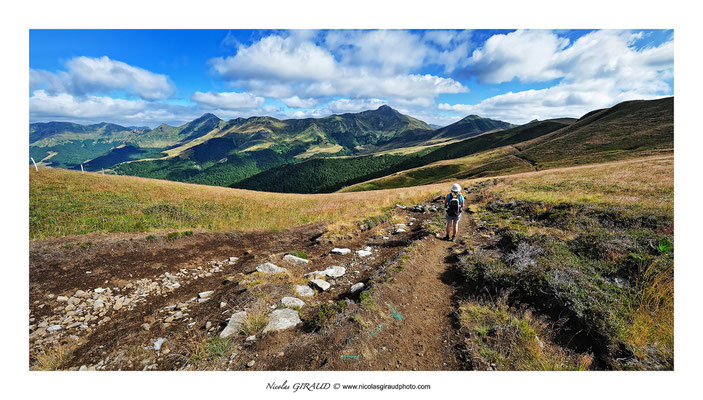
[255, 323]
[53, 359]
[208, 349]
[506, 339]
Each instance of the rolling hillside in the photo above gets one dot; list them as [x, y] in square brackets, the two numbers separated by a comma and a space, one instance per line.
[330, 174]
[627, 130]
[240, 148]
[561, 269]
[97, 146]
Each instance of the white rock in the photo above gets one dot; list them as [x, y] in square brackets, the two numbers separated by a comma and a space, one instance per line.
[400, 230]
[342, 251]
[294, 259]
[386, 238]
[363, 253]
[315, 274]
[304, 291]
[334, 271]
[98, 304]
[367, 248]
[236, 321]
[158, 343]
[292, 302]
[205, 295]
[99, 290]
[233, 259]
[53, 328]
[81, 294]
[356, 287]
[251, 338]
[62, 298]
[269, 268]
[320, 284]
[281, 319]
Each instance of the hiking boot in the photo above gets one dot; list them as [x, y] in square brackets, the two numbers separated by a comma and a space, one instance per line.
[453, 237]
[446, 237]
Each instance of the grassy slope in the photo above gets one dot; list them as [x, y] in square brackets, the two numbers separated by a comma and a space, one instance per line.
[331, 174]
[234, 150]
[631, 129]
[588, 225]
[592, 245]
[65, 202]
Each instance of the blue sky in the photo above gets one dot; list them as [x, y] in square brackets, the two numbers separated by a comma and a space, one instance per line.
[146, 77]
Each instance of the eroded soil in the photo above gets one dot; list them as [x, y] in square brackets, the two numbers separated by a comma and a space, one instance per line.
[145, 282]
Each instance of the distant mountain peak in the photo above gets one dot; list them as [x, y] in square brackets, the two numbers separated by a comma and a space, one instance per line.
[472, 117]
[209, 116]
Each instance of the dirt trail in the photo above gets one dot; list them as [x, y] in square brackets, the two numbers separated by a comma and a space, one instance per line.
[414, 328]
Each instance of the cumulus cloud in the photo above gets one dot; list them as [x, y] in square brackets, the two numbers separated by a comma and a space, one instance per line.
[537, 56]
[597, 70]
[228, 100]
[562, 100]
[388, 52]
[297, 102]
[86, 75]
[360, 64]
[525, 55]
[278, 59]
[354, 105]
[89, 107]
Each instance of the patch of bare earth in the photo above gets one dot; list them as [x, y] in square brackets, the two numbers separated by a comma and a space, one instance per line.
[411, 326]
[136, 291]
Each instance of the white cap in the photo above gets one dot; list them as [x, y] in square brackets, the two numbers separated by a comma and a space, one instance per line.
[456, 188]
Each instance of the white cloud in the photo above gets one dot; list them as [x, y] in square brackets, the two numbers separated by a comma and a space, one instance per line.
[354, 105]
[599, 69]
[526, 55]
[388, 52]
[44, 104]
[278, 59]
[562, 100]
[369, 64]
[537, 55]
[88, 75]
[297, 102]
[228, 100]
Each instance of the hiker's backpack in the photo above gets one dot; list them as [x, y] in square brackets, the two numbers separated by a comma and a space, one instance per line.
[454, 205]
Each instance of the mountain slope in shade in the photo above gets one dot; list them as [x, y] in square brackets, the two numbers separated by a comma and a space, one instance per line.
[236, 149]
[330, 174]
[471, 125]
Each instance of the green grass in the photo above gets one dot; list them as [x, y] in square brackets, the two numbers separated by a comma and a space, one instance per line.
[210, 349]
[507, 339]
[591, 245]
[367, 301]
[66, 203]
[629, 130]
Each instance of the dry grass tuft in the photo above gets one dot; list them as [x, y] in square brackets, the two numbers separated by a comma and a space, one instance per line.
[53, 359]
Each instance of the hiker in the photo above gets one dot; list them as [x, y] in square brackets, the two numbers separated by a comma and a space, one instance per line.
[453, 204]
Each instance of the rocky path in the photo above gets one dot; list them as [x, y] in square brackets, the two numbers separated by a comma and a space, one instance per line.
[131, 302]
[412, 326]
